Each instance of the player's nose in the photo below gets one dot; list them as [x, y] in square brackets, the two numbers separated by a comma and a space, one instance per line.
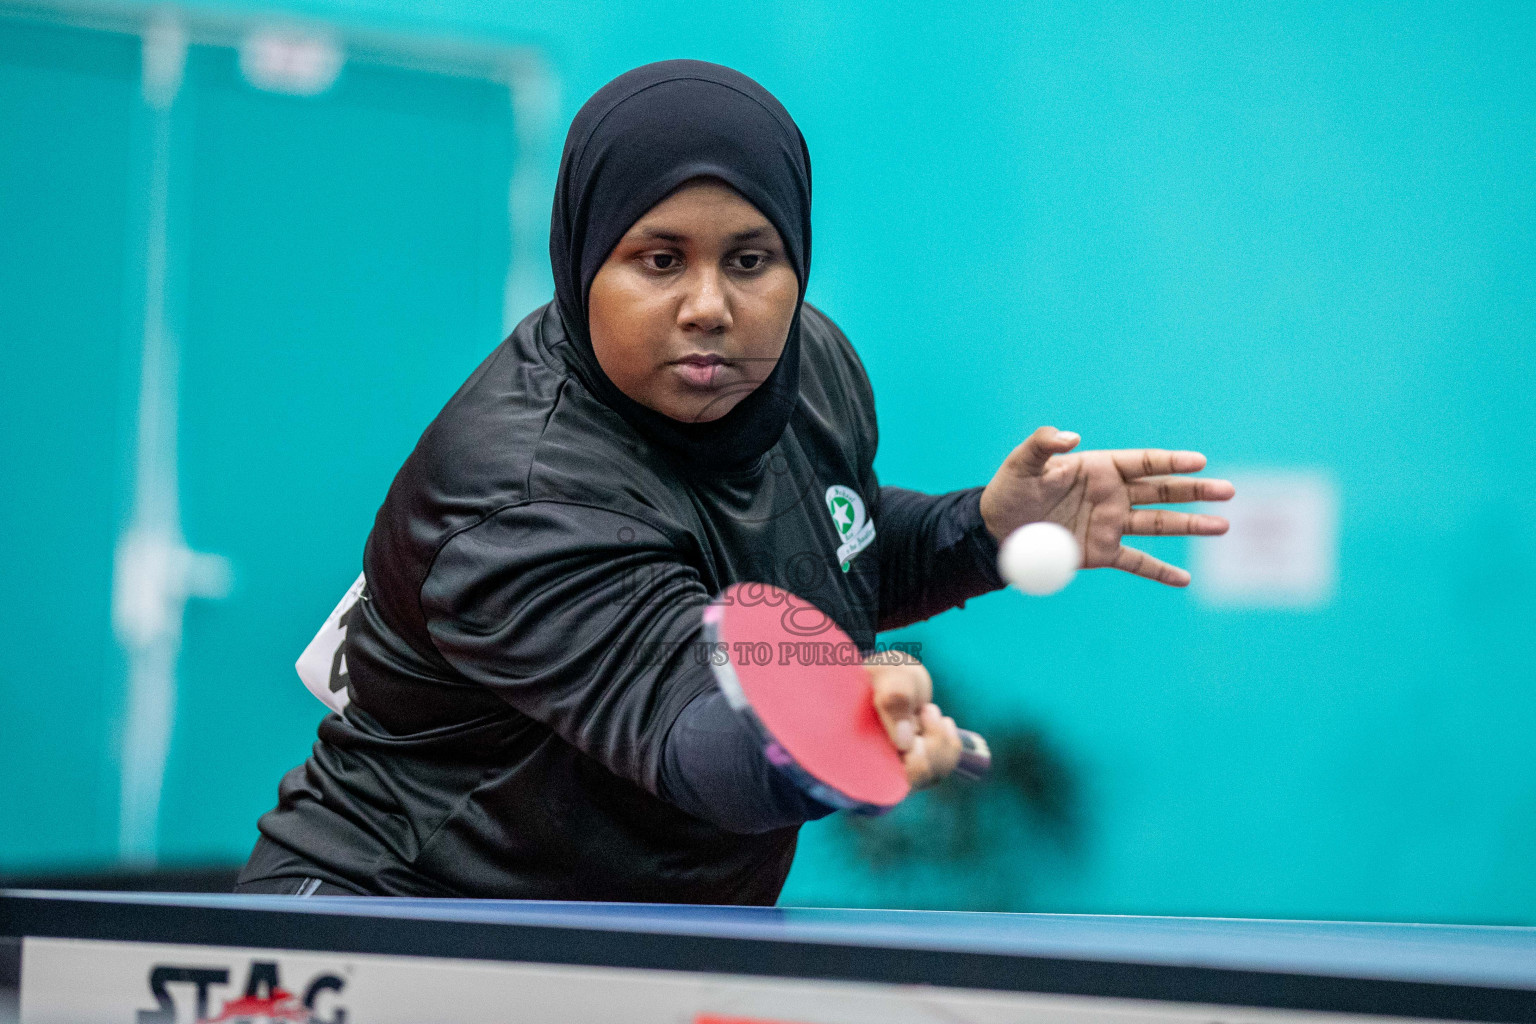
[705, 306]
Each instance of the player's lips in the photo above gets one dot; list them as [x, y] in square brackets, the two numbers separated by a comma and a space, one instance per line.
[701, 369]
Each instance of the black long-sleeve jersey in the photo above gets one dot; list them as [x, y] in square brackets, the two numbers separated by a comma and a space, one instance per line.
[527, 643]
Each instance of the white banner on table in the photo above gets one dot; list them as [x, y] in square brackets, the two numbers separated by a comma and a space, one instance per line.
[80, 981]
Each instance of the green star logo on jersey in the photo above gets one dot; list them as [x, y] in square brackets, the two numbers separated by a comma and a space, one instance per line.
[854, 527]
[842, 513]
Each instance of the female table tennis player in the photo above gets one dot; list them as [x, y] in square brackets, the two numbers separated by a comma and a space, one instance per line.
[527, 719]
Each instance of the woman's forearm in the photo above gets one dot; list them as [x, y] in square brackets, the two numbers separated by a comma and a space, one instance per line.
[713, 768]
[935, 554]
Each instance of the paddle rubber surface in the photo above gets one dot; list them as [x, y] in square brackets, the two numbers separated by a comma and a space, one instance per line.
[816, 717]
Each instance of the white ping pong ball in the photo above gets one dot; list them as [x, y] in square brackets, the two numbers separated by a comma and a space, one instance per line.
[1039, 558]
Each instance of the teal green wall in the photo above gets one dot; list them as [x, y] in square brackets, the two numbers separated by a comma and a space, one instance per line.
[63, 227]
[1288, 235]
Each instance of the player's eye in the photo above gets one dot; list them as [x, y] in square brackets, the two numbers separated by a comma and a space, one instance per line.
[661, 261]
[749, 262]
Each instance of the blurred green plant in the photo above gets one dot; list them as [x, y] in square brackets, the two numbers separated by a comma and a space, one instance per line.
[1000, 833]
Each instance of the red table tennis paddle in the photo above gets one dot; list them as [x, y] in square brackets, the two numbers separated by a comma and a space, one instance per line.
[799, 682]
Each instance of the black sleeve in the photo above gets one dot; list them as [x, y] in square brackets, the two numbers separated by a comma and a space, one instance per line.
[935, 554]
[587, 621]
[714, 769]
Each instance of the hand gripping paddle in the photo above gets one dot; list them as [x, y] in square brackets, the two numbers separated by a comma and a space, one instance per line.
[809, 700]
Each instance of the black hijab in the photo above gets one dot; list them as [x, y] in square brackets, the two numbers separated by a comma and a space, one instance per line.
[631, 145]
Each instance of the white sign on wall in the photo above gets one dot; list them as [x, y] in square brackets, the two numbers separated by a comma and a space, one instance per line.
[1283, 548]
[290, 61]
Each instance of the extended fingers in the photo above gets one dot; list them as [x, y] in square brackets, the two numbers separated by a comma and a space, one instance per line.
[1159, 522]
[1142, 564]
[1031, 456]
[1171, 490]
[1137, 463]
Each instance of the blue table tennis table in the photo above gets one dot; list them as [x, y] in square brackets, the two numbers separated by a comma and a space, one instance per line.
[165, 959]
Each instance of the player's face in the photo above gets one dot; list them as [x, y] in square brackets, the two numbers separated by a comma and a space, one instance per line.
[691, 310]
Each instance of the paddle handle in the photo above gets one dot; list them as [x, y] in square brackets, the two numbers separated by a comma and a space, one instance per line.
[975, 756]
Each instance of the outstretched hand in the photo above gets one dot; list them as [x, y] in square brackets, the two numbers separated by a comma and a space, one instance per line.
[1098, 495]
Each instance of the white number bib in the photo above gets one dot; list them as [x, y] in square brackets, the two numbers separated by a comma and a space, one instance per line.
[323, 665]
